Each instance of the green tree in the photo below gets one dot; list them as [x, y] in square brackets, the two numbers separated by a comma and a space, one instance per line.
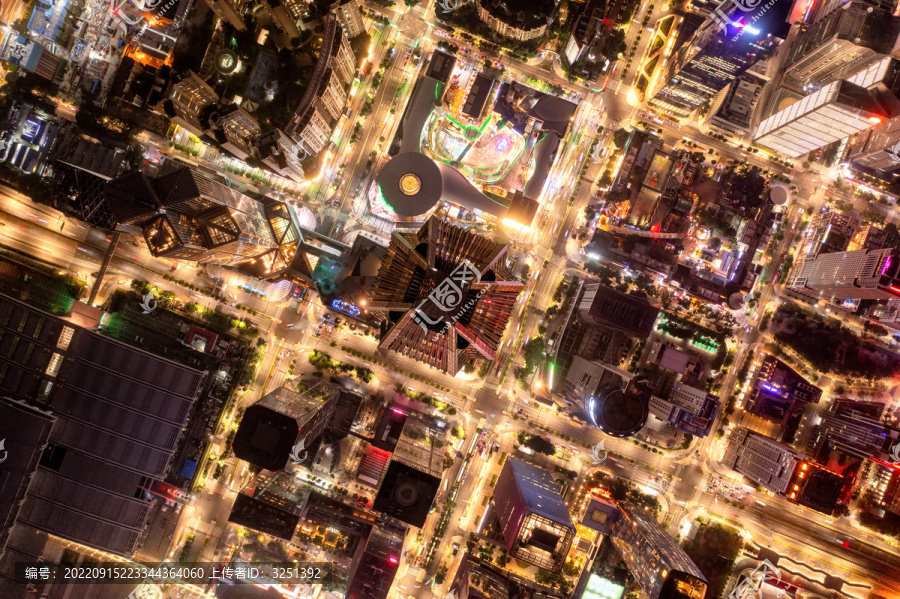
[540, 445]
[620, 138]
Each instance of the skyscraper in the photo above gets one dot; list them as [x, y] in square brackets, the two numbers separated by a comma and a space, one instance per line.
[282, 419]
[763, 460]
[717, 53]
[850, 430]
[443, 295]
[858, 274]
[655, 559]
[780, 395]
[599, 391]
[185, 216]
[839, 45]
[834, 112]
[375, 566]
[535, 521]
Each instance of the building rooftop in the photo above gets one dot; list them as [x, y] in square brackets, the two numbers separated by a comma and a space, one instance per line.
[539, 492]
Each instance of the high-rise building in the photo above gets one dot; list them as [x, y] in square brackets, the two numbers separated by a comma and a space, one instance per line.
[881, 485]
[781, 395]
[534, 518]
[516, 24]
[602, 319]
[829, 231]
[233, 128]
[655, 559]
[688, 409]
[839, 45]
[876, 151]
[849, 430]
[297, 8]
[735, 113]
[120, 413]
[25, 431]
[821, 10]
[185, 216]
[598, 390]
[284, 155]
[231, 11]
[835, 111]
[476, 580]
[858, 274]
[271, 503]
[761, 459]
[316, 115]
[443, 295]
[717, 53]
[283, 18]
[374, 568]
[348, 15]
[187, 100]
[282, 419]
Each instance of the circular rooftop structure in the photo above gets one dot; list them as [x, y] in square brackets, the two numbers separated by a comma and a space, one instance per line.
[616, 412]
[736, 300]
[227, 62]
[779, 195]
[410, 183]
